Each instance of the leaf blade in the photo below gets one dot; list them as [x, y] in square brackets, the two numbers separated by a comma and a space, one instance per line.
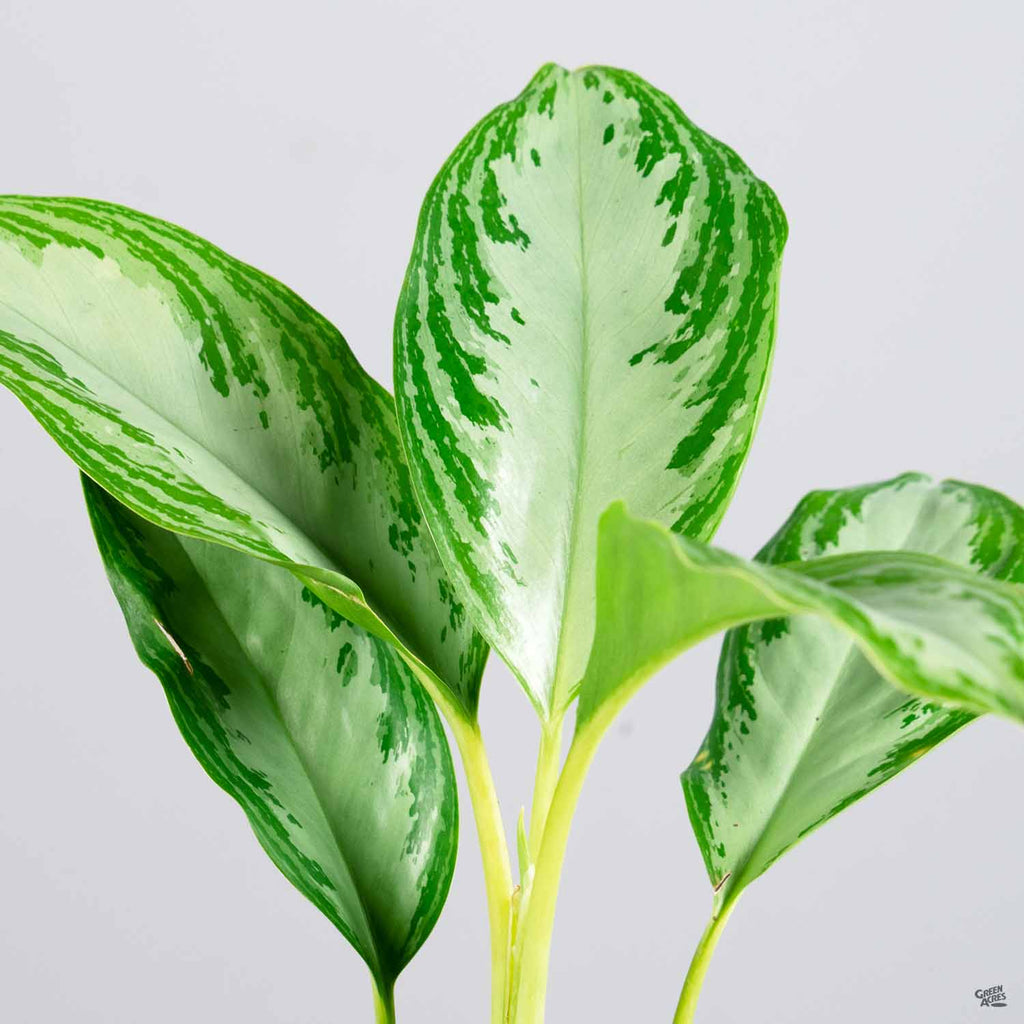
[211, 400]
[315, 728]
[869, 730]
[807, 717]
[533, 367]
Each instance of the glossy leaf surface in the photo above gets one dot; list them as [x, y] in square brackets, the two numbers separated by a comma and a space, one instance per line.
[316, 728]
[214, 402]
[588, 315]
[804, 724]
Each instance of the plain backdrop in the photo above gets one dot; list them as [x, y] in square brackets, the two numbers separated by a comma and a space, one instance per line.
[301, 137]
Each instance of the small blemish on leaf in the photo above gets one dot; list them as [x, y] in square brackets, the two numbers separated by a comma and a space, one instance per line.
[174, 644]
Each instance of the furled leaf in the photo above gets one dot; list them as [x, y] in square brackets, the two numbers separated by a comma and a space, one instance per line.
[804, 725]
[214, 402]
[588, 315]
[316, 728]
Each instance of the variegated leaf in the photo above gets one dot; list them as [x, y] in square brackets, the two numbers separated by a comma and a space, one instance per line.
[316, 728]
[588, 315]
[804, 725]
[214, 402]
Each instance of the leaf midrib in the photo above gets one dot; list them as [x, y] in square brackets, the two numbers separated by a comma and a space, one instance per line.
[558, 685]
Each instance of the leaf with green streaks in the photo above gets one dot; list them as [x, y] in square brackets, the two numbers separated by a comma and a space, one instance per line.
[214, 402]
[588, 315]
[317, 729]
[807, 718]
[804, 724]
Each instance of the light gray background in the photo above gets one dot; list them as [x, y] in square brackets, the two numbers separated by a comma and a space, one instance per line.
[301, 137]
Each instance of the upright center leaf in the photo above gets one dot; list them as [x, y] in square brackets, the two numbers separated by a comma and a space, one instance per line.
[588, 315]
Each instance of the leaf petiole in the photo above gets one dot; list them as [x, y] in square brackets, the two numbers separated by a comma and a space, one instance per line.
[493, 852]
[533, 946]
[699, 965]
[384, 1005]
[549, 762]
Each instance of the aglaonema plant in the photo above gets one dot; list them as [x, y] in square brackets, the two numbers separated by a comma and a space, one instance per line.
[314, 570]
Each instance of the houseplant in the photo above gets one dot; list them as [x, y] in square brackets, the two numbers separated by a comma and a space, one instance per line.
[316, 572]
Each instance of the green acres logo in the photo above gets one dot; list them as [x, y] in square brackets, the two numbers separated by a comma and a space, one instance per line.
[994, 996]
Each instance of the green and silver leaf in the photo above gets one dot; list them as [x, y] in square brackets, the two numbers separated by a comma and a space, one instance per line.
[588, 315]
[215, 403]
[804, 724]
[316, 728]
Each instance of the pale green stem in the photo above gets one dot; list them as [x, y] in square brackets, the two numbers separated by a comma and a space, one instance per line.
[699, 966]
[494, 851]
[535, 930]
[384, 1006]
[490, 832]
[549, 761]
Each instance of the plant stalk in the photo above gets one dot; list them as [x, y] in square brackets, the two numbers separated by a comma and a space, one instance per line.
[494, 852]
[687, 1005]
[533, 945]
[384, 1005]
[490, 832]
[549, 761]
